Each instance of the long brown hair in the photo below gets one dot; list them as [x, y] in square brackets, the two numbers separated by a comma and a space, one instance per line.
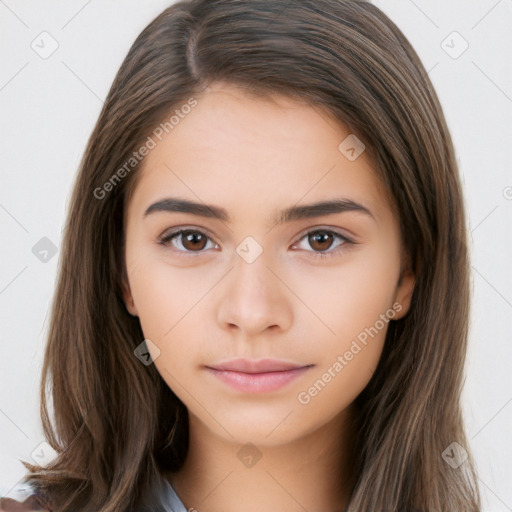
[116, 423]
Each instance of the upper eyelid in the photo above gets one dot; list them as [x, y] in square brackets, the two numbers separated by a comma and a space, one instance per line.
[308, 231]
[175, 231]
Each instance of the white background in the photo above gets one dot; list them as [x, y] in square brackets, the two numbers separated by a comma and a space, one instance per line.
[48, 108]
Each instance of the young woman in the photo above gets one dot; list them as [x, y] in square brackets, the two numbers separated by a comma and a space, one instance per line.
[263, 293]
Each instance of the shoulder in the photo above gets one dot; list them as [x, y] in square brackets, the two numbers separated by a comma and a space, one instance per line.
[34, 503]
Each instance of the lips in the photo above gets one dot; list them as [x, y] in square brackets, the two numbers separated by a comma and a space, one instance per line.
[264, 375]
[256, 366]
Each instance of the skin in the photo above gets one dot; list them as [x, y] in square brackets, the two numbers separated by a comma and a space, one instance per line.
[201, 302]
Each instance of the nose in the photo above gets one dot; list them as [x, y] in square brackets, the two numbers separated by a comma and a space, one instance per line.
[254, 299]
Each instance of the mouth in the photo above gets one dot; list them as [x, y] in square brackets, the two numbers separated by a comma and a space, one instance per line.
[260, 376]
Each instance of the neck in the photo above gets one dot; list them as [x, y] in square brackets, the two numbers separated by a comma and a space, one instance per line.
[311, 473]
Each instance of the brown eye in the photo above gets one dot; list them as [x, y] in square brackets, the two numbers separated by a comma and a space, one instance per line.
[193, 240]
[323, 243]
[186, 241]
[320, 240]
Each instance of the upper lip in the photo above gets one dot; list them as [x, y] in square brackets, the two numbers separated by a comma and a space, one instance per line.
[256, 366]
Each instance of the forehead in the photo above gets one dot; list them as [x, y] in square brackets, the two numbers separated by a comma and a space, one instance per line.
[243, 150]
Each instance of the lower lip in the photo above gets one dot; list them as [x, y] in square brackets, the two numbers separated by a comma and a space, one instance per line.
[257, 382]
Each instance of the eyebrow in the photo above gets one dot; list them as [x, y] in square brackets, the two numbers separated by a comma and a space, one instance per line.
[293, 213]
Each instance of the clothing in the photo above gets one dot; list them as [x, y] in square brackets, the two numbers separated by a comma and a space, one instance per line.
[33, 503]
[162, 498]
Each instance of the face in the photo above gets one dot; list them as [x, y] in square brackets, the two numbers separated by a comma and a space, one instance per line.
[267, 315]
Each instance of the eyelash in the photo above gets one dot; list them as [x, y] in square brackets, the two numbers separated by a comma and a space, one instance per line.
[166, 240]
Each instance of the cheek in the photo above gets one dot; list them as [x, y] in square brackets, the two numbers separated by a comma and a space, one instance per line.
[165, 296]
[350, 297]
[347, 359]
[355, 306]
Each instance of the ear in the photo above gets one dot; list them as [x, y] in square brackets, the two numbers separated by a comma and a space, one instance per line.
[404, 290]
[127, 296]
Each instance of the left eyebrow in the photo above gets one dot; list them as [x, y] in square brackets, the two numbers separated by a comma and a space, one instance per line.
[293, 213]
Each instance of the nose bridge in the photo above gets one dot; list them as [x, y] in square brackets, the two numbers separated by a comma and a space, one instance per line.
[254, 298]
